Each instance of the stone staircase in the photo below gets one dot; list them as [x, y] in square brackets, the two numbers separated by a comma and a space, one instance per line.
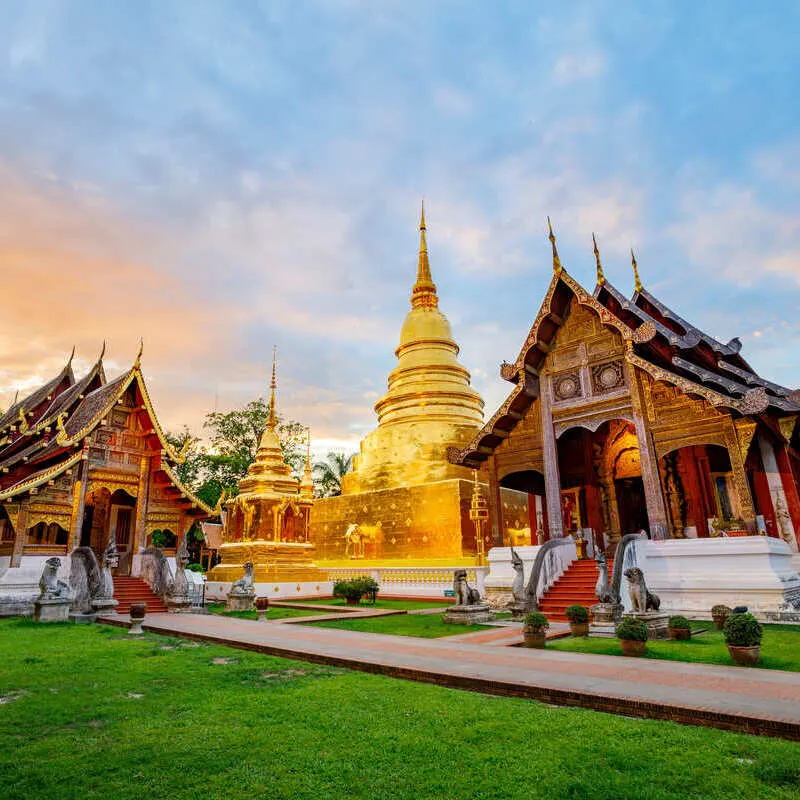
[576, 585]
[135, 590]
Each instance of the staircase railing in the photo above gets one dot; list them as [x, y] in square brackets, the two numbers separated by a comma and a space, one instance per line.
[551, 562]
[155, 571]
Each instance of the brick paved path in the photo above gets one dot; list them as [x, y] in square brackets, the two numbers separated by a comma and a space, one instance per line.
[734, 698]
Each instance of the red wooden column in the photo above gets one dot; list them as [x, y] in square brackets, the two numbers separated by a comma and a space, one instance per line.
[21, 534]
[688, 471]
[762, 496]
[790, 488]
[495, 503]
[594, 510]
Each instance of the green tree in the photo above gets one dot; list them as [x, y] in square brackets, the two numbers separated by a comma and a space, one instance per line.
[328, 474]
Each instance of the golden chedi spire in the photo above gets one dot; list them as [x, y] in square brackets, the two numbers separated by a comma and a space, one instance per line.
[269, 473]
[637, 280]
[601, 278]
[429, 403]
[557, 268]
[423, 294]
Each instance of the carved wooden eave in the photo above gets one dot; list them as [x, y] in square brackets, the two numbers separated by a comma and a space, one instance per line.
[32, 482]
[186, 495]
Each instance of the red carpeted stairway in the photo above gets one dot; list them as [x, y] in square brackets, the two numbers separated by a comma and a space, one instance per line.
[576, 585]
[135, 590]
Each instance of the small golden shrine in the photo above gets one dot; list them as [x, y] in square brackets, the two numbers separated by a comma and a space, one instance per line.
[404, 502]
[267, 522]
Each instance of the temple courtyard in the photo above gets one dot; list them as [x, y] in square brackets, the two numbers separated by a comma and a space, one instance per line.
[162, 716]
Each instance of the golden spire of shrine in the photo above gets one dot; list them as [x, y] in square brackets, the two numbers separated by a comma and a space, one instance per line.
[601, 278]
[557, 268]
[271, 420]
[637, 280]
[424, 291]
[307, 483]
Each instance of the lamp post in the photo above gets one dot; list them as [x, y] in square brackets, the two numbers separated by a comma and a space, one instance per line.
[478, 513]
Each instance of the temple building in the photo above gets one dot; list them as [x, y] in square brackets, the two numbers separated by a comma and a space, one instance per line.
[623, 416]
[82, 460]
[267, 523]
[404, 501]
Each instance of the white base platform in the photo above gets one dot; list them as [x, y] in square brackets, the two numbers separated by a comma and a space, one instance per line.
[217, 591]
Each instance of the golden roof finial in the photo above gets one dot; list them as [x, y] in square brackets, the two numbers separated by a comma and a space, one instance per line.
[271, 420]
[102, 351]
[637, 280]
[557, 268]
[138, 363]
[601, 278]
[71, 356]
[308, 448]
[424, 291]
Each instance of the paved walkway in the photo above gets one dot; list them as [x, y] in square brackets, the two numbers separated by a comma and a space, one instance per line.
[734, 698]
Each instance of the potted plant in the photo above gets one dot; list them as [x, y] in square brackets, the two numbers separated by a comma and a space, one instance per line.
[679, 628]
[743, 636]
[632, 635]
[534, 629]
[354, 589]
[719, 614]
[578, 617]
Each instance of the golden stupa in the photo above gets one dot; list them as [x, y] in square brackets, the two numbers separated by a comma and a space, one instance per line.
[404, 502]
[267, 523]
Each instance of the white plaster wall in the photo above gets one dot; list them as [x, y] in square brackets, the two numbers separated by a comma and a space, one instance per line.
[218, 590]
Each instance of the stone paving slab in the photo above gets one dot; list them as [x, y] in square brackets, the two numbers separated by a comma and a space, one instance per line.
[734, 698]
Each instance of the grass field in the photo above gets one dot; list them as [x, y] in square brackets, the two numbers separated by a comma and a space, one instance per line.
[407, 605]
[427, 626]
[272, 613]
[91, 713]
[780, 647]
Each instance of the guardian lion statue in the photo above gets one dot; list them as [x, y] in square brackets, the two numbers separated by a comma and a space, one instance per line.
[49, 584]
[85, 579]
[244, 587]
[465, 595]
[518, 584]
[641, 599]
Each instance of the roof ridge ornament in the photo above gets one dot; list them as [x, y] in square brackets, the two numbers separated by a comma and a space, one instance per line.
[557, 268]
[102, 351]
[138, 363]
[601, 278]
[637, 280]
[71, 356]
[423, 294]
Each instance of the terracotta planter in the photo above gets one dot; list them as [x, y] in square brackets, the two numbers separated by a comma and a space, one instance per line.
[680, 634]
[534, 638]
[719, 622]
[353, 601]
[262, 603]
[745, 656]
[579, 628]
[632, 648]
[138, 610]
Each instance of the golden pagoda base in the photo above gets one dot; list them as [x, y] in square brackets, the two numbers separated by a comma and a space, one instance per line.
[273, 562]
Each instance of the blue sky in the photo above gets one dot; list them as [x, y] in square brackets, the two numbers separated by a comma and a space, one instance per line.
[218, 177]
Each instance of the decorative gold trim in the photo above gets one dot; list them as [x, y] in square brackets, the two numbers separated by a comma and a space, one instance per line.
[193, 498]
[37, 480]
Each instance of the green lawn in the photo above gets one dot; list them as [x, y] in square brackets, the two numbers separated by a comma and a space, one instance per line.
[406, 605]
[427, 626]
[780, 647]
[273, 613]
[91, 712]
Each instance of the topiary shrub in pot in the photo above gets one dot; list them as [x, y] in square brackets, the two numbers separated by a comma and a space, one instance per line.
[743, 636]
[353, 590]
[719, 614]
[679, 628]
[534, 629]
[578, 617]
[632, 635]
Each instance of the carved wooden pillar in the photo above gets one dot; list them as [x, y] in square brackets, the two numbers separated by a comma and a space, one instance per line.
[552, 476]
[142, 503]
[79, 501]
[790, 488]
[653, 495]
[740, 478]
[495, 503]
[21, 538]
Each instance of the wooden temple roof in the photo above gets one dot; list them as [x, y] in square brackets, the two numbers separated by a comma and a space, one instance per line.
[658, 341]
[64, 413]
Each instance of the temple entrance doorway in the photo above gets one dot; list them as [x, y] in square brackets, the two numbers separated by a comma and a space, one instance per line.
[108, 514]
[631, 504]
[529, 527]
